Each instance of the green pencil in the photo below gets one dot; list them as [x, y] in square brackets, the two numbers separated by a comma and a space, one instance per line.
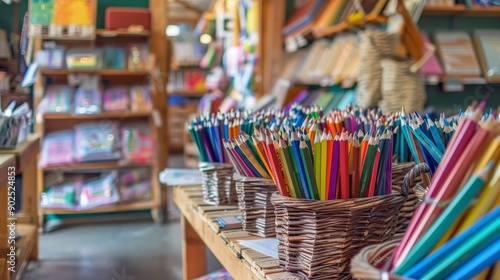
[306, 160]
[368, 166]
[287, 164]
[295, 170]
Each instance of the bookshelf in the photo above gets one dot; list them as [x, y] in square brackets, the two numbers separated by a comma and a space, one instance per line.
[156, 119]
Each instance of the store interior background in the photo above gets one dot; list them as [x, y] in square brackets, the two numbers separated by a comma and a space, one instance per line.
[132, 244]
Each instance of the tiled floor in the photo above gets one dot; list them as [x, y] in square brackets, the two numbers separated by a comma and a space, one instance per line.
[133, 250]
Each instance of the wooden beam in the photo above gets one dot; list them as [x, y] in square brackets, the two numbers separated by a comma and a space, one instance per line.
[190, 7]
[270, 48]
[160, 48]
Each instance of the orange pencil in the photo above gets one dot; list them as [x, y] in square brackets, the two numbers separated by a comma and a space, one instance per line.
[312, 133]
[262, 154]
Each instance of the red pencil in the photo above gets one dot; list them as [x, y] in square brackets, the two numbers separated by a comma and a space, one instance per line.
[280, 181]
[344, 166]
[373, 179]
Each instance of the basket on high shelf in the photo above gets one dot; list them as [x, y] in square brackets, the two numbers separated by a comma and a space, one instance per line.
[317, 239]
[218, 185]
[254, 201]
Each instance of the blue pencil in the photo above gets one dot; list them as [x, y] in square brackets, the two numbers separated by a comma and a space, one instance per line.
[424, 265]
[486, 258]
[300, 166]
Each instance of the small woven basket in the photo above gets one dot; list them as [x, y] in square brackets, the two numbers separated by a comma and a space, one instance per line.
[218, 186]
[254, 201]
[370, 263]
[317, 239]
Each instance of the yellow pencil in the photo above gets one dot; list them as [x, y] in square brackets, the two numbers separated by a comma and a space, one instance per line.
[492, 153]
[485, 202]
[324, 149]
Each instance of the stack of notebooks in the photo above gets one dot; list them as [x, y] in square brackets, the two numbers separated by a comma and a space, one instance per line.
[331, 62]
[254, 199]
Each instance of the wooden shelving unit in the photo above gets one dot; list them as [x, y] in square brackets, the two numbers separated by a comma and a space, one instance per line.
[156, 119]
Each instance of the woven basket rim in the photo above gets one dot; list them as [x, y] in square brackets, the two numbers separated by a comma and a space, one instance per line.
[242, 178]
[287, 199]
[214, 165]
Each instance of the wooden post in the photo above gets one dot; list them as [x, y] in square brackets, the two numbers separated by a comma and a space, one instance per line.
[159, 47]
[270, 46]
[194, 262]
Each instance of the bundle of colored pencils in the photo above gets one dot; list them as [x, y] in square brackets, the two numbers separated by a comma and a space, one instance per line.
[314, 164]
[209, 131]
[452, 235]
[428, 139]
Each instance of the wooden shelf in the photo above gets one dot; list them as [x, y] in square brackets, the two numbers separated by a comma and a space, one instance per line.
[141, 205]
[104, 115]
[188, 92]
[67, 38]
[194, 62]
[121, 33]
[462, 10]
[24, 246]
[99, 165]
[101, 72]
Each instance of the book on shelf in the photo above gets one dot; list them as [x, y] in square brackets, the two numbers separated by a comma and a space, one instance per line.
[457, 53]
[303, 15]
[488, 45]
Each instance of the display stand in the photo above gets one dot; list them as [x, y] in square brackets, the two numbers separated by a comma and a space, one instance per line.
[199, 228]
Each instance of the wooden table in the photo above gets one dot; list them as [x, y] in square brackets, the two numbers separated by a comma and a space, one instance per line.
[25, 162]
[199, 229]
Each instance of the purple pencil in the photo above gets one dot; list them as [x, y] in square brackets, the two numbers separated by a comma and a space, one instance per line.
[206, 143]
[334, 169]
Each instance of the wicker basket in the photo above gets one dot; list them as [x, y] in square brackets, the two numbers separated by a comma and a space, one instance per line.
[370, 263]
[408, 174]
[254, 200]
[218, 185]
[317, 239]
